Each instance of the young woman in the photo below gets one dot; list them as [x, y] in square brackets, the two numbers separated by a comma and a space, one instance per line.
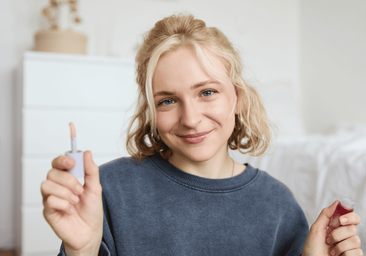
[180, 193]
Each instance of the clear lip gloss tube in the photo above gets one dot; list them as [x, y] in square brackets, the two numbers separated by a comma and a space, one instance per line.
[78, 155]
[345, 206]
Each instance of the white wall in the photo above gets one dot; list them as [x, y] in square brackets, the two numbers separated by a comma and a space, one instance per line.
[333, 66]
[265, 31]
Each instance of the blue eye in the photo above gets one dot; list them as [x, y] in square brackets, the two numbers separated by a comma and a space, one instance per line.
[166, 102]
[208, 93]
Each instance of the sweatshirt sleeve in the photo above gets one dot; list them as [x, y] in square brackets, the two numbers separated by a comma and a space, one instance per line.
[103, 251]
[293, 231]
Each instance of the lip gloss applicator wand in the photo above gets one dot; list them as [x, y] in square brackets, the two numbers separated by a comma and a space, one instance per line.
[78, 155]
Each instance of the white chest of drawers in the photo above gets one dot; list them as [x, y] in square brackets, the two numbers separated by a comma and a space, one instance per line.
[54, 89]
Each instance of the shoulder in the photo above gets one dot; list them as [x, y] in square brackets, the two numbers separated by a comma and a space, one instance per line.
[123, 169]
[268, 184]
[278, 201]
[273, 185]
[119, 164]
[274, 193]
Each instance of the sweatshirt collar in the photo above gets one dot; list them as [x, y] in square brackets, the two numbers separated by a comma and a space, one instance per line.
[237, 182]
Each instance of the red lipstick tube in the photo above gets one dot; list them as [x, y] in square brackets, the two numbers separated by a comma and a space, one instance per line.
[345, 206]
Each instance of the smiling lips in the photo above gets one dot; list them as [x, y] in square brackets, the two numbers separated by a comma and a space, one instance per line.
[195, 138]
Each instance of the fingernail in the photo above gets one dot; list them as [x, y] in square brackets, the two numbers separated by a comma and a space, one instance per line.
[79, 189]
[69, 163]
[332, 252]
[343, 220]
[74, 198]
[328, 240]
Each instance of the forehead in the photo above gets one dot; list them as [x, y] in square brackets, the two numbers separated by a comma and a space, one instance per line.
[183, 67]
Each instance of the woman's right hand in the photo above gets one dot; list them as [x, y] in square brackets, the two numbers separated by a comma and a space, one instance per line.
[74, 212]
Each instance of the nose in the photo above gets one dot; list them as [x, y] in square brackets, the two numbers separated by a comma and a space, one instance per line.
[191, 115]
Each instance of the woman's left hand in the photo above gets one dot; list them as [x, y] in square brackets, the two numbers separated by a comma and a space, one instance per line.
[343, 239]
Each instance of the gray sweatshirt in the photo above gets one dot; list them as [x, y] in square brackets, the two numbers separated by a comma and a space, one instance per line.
[154, 208]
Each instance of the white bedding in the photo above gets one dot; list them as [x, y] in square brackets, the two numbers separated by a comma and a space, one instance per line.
[319, 169]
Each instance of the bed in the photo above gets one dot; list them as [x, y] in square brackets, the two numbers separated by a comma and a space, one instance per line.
[320, 168]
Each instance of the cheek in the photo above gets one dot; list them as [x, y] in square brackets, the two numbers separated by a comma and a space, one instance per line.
[222, 111]
[165, 121]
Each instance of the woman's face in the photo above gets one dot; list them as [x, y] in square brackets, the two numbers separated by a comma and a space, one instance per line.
[195, 115]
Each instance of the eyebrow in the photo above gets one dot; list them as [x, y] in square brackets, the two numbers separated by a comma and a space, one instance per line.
[193, 87]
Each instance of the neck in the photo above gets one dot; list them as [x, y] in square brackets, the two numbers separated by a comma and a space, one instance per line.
[219, 166]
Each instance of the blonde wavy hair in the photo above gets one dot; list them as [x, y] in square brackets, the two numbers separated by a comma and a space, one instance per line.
[251, 132]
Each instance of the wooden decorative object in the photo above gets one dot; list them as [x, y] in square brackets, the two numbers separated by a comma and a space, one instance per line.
[56, 39]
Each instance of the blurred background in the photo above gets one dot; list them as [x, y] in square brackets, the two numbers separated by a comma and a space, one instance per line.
[305, 57]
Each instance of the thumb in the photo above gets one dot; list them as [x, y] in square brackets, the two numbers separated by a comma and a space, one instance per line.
[324, 217]
[91, 171]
